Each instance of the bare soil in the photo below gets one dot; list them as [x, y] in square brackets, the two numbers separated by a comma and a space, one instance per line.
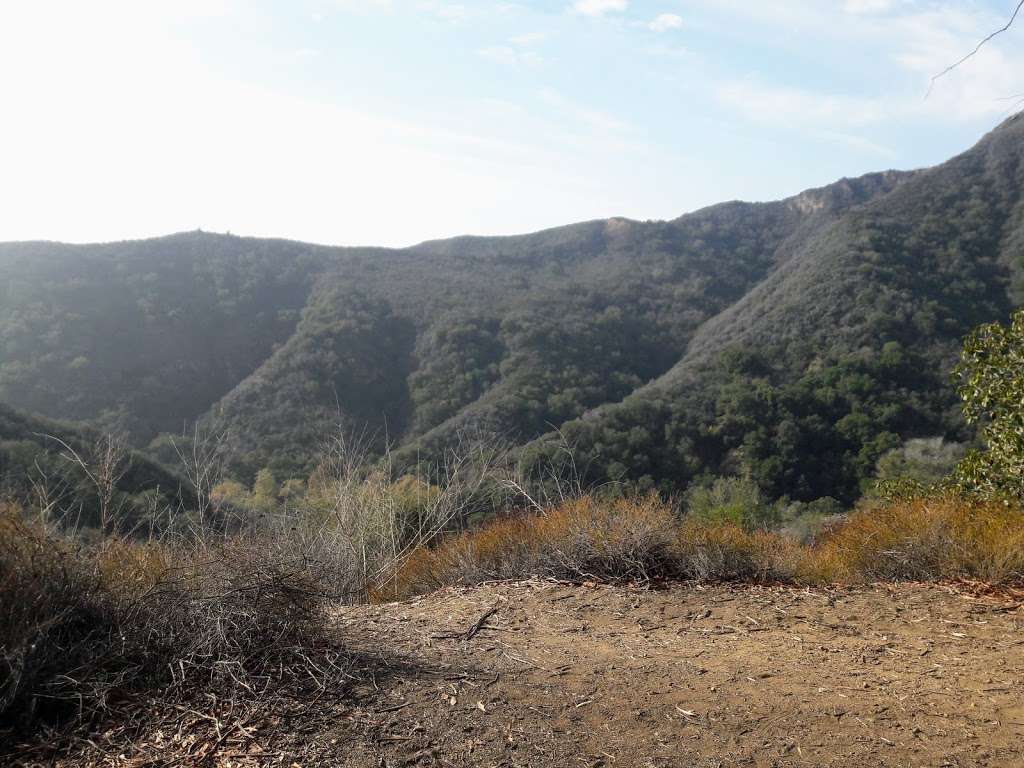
[909, 675]
[544, 674]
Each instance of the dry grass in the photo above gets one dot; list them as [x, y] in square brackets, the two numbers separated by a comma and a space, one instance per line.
[642, 538]
[712, 551]
[53, 610]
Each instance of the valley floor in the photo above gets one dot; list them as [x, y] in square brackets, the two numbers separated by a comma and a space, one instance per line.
[544, 674]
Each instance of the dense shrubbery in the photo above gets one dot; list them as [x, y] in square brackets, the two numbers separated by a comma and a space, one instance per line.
[225, 598]
[841, 355]
[231, 598]
[143, 336]
[644, 538]
[82, 474]
[942, 537]
[925, 461]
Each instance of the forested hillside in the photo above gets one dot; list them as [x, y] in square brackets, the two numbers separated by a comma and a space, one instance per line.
[144, 335]
[791, 342]
[842, 353]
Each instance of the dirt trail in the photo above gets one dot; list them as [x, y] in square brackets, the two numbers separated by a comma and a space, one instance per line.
[543, 675]
[558, 675]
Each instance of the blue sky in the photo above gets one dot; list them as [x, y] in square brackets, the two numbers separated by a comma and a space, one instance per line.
[394, 121]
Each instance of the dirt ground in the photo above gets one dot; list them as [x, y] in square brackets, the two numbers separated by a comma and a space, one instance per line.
[545, 675]
[558, 675]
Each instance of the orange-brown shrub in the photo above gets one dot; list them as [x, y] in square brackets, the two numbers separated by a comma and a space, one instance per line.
[724, 551]
[933, 538]
[627, 538]
[642, 538]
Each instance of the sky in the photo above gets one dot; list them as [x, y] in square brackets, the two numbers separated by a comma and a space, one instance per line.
[389, 122]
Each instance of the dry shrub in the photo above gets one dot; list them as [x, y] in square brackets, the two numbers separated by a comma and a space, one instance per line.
[55, 616]
[85, 627]
[946, 537]
[380, 519]
[641, 538]
[626, 538]
[501, 549]
[923, 539]
[637, 538]
[724, 551]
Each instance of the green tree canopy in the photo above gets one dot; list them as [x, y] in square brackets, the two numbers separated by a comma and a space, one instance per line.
[992, 387]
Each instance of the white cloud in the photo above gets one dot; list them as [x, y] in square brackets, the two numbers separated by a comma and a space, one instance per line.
[904, 45]
[500, 54]
[855, 142]
[448, 11]
[170, 143]
[518, 51]
[665, 22]
[675, 52]
[173, 142]
[597, 8]
[912, 47]
[365, 5]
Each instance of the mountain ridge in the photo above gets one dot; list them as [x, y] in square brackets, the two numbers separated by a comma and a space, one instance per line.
[612, 326]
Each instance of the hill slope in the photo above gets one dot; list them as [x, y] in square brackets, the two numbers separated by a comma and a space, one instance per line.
[149, 333]
[35, 459]
[844, 350]
[793, 341]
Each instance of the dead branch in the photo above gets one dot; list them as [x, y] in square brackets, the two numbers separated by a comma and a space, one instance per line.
[479, 623]
[982, 44]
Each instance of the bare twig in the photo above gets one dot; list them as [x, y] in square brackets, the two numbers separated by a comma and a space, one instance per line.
[479, 623]
[105, 465]
[989, 38]
[204, 457]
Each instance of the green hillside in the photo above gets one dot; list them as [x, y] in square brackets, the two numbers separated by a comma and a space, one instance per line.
[146, 335]
[792, 342]
[843, 352]
[509, 335]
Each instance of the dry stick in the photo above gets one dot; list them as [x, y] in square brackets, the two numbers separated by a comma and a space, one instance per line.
[393, 708]
[980, 45]
[471, 632]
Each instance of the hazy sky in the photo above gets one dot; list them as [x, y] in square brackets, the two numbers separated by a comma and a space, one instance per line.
[393, 121]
